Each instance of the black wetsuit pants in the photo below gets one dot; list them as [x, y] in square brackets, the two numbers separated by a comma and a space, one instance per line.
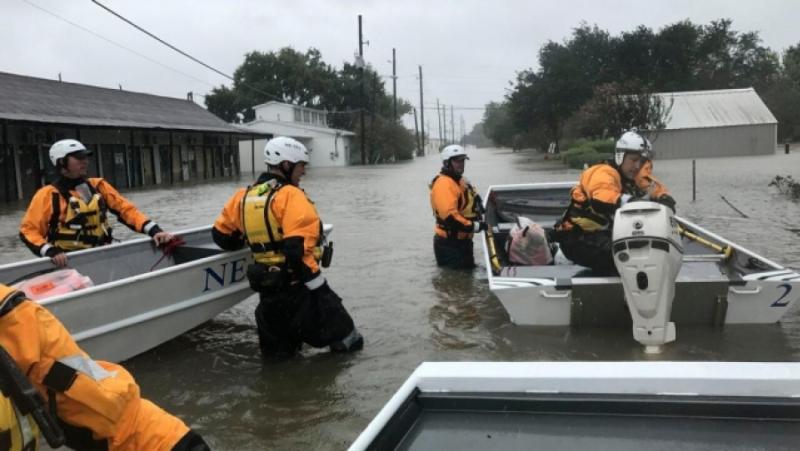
[592, 250]
[295, 315]
[453, 253]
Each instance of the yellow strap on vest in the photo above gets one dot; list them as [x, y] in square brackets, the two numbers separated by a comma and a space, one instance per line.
[256, 206]
[470, 210]
[73, 236]
[17, 431]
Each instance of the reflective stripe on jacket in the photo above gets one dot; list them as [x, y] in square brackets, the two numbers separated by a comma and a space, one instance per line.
[96, 395]
[454, 207]
[292, 211]
[48, 211]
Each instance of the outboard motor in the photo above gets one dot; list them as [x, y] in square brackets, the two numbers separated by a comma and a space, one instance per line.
[648, 255]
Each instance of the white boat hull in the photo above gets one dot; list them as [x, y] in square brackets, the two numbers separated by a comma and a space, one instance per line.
[548, 295]
[132, 308]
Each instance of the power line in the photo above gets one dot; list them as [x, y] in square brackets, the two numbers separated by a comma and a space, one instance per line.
[161, 40]
[478, 108]
[272, 96]
[115, 43]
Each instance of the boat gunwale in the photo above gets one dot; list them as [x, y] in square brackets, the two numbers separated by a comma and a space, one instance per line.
[143, 276]
[498, 279]
[767, 380]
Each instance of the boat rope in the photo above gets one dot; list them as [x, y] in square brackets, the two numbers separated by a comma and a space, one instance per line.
[168, 249]
[734, 208]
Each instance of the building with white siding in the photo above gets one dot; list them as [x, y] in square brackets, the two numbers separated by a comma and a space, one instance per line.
[718, 123]
[327, 146]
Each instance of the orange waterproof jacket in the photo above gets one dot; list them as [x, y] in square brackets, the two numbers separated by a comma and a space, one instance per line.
[95, 395]
[454, 207]
[48, 210]
[650, 187]
[594, 199]
[293, 211]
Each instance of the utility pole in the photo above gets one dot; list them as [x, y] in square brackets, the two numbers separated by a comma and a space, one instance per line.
[416, 135]
[444, 123]
[394, 83]
[363, 93]
[372, 114]
[439, 120]
[421, 116]
[452, 126]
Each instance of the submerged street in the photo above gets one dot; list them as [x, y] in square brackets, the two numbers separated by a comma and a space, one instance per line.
[409, 310]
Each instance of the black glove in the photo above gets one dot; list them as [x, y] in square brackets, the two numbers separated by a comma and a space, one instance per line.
[668, 201]
[479, 226]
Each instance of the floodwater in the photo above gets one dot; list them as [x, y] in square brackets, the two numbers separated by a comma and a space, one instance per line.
[410, 311]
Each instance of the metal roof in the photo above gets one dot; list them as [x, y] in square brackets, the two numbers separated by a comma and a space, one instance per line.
[718, 108]
[303, 130]
[40, 100]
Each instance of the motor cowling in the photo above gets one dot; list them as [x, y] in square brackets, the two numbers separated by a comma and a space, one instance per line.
[648, 255]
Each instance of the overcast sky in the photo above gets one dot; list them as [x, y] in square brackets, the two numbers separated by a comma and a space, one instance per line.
[469, 50]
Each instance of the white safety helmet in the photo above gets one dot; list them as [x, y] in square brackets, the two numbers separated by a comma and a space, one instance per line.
[631, 142]
[65, 147]
[453, 150]
[282, 148]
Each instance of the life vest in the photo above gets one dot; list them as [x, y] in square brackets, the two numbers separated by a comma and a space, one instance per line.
[85, 225]
[263, 232]
[17, 432]
[593, 214]
[84, 393]
[466, 205]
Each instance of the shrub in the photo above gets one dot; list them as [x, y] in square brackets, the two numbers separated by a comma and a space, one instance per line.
[574, 154]
[592, 158]
[602, 145]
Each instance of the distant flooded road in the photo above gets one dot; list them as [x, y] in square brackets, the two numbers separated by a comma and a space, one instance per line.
[410, 311]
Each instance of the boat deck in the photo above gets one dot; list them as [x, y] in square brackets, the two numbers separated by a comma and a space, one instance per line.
[479, 421]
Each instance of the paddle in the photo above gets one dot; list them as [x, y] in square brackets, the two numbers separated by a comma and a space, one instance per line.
[495, 262]
[726, 251]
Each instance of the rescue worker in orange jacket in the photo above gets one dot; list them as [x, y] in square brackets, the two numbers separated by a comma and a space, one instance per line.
[456, 207]
[584, 232]
[283, 230]
[71, 213]
[97, 403]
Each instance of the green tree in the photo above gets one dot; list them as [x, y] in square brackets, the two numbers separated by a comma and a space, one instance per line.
[497, 124]
[791, 63]
[616, 107]
[477, 136]
[544, 99]
[305, 79]
[224, 103]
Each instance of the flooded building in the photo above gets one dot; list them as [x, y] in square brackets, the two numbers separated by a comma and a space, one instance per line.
[137, 139]
[717, 123]
[327, 146]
